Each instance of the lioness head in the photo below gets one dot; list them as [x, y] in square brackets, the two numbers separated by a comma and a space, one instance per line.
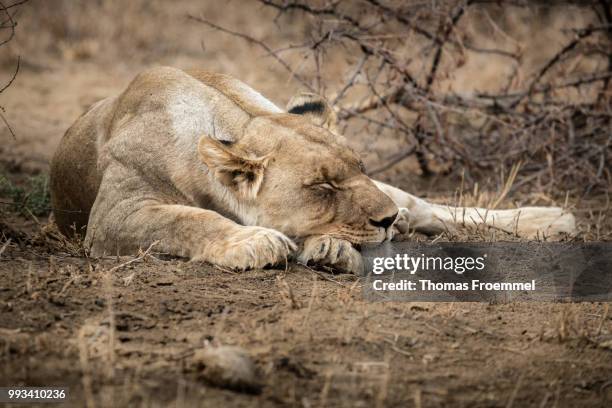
[297, 176]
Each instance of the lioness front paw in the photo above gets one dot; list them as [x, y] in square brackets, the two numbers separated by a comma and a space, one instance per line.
[329, 251]
[249, 248]
[401, 225]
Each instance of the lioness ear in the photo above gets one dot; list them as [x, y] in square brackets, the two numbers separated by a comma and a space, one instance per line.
[315, 107]
[233, 167]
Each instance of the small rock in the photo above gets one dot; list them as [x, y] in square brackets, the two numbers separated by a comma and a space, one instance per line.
[228, 367]
[300, 370]
[604, 341]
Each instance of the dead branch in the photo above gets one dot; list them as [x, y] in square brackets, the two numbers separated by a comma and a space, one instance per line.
[553, 117]
[12, 77]
[9, 24]
[257, 42]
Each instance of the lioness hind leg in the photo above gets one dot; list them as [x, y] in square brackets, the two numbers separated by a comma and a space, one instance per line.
[528, 222]
[198, 234]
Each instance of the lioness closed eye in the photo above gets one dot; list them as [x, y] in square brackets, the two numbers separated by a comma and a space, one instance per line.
[214, 171]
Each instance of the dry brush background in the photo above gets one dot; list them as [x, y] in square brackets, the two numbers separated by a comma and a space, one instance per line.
[446, 99]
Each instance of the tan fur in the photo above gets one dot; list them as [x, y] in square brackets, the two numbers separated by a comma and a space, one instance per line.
[526, 222]
[214, 172]
[326, 118]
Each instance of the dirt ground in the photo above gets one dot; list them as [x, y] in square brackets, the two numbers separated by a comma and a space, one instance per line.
[123, 331]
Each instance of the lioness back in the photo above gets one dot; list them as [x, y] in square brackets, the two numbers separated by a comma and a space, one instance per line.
[74, 178]
[178, 97]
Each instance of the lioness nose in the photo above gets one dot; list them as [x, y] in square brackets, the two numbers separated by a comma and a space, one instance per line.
[385, 222]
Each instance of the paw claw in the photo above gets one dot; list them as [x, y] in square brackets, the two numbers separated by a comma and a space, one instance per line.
[249, 248]
[329, 251]
[401, 225]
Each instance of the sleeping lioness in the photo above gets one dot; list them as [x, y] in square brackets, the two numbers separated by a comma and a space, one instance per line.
[211, 170]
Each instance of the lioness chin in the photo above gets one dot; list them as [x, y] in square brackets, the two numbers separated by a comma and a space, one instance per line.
[213, 171]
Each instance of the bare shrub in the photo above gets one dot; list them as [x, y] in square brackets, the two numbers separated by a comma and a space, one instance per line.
[7, 33]
[466, 88]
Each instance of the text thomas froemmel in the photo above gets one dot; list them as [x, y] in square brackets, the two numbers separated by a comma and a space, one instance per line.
[459, 265]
